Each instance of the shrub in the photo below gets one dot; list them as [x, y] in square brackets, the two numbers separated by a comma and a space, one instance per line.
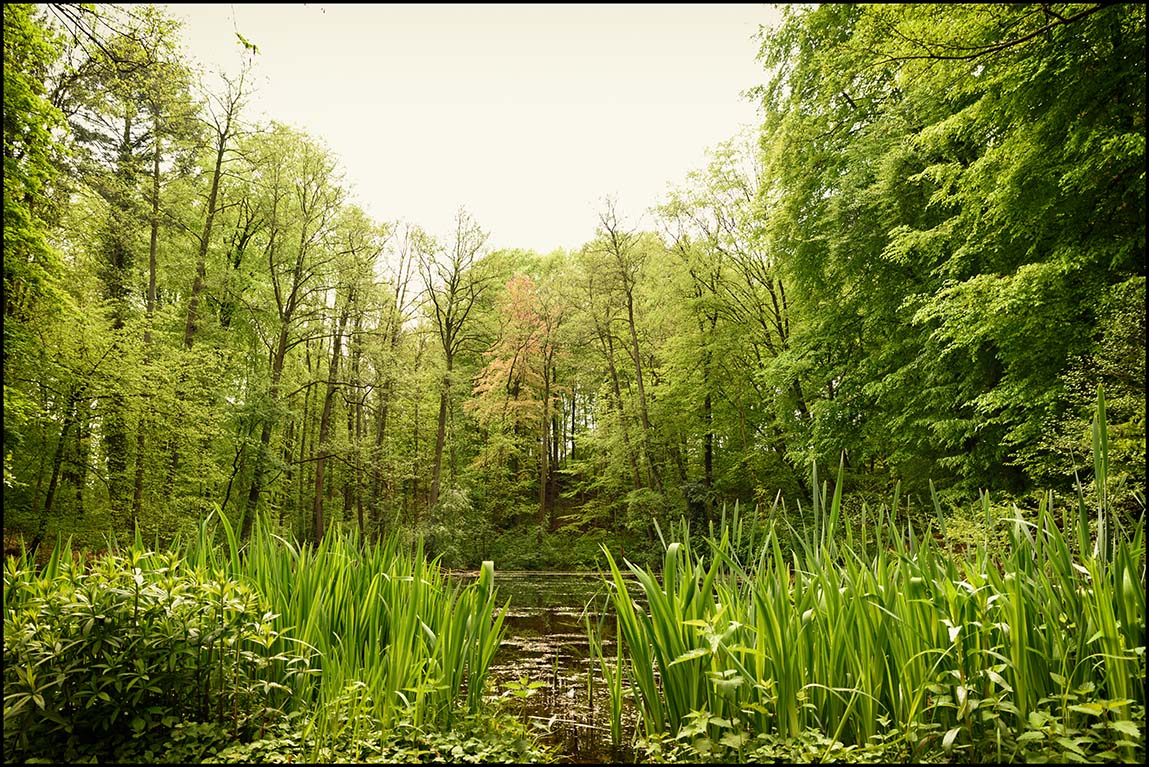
[108, 658]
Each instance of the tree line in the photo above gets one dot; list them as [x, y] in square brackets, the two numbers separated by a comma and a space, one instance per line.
[921, 265]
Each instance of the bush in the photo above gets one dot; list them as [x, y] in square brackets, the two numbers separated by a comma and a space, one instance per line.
[519, 548]
[460, 534]
[107, 660]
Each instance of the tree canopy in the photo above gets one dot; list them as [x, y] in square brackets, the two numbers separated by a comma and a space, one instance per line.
[923, 264]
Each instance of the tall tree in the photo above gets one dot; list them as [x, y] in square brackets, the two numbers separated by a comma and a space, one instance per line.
[393, 315]
[127, 100]
[934, 175]
[357, 245]
[32, 268]
[515, 396]
[300, 197]
[623, 253]
[452, 288]
[733, 289]
[223, 121]
[168, 100]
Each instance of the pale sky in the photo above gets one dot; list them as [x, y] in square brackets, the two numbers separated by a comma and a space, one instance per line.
[526, 115]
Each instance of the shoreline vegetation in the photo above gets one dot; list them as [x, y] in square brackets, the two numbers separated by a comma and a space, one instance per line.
[862, 640]
[858, 408]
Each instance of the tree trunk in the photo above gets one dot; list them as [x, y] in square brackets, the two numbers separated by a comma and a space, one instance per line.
[115, 421]
[192, 322]
[325, 424]
[440, 435]
[642, 411]
[355, 426]
[377, 478]
[289, 470]
[574, 423]
[57, 462]
[556, 427]
[264, 436]
[415, 468]
[138, 489]
[608, 346]
[75, 469]
[544, 449]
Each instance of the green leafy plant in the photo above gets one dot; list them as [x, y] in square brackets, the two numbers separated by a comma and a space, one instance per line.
[986, 652]
[521, 689]
[129, 647]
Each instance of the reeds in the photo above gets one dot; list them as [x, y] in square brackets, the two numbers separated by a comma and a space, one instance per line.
[891, 638]
[379, 619]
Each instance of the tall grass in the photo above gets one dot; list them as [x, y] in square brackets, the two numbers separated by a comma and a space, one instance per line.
[381, 621]
[891, 637]
[350, 634]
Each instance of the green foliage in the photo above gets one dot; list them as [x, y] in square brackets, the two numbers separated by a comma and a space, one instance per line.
[527, 547]
[32, 154]
[113, 654]
[740, 746]
[988, 649]
[163, 657]
[925, 267]
[490, 738]
[645, 508]
[956, 201]
[377, 615]
[460, 535]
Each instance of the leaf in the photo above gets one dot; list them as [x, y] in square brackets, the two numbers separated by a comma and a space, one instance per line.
[950, 736]
[728, 686]
[1071, 745]
[247, 44]
[1127, 727]
[999, 679]
[703, 746]
[689, 655]
[734, 739]
[1093, 709]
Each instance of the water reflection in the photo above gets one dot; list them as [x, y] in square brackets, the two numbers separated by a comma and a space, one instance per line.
[545, 641]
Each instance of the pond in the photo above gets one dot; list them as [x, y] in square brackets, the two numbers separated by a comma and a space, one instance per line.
[545, 641]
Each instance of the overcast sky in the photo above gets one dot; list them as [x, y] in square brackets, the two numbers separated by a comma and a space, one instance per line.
[526, 115]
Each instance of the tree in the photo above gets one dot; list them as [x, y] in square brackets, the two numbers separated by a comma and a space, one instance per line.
[299, 198]
[32, 268]
[224, 123]
[621, 253]
[393, 314]
[732, 289]
[452, 289]
[129, 109]
[358, 244]
[515, 396]
[954, 190]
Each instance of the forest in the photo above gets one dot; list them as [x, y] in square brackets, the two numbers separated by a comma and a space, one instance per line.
[923, 264]
[921, 278]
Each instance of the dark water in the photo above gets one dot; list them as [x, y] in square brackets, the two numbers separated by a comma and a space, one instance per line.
[545, 641]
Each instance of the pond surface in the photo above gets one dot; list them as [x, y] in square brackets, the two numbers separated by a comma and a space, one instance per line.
[545, 640]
